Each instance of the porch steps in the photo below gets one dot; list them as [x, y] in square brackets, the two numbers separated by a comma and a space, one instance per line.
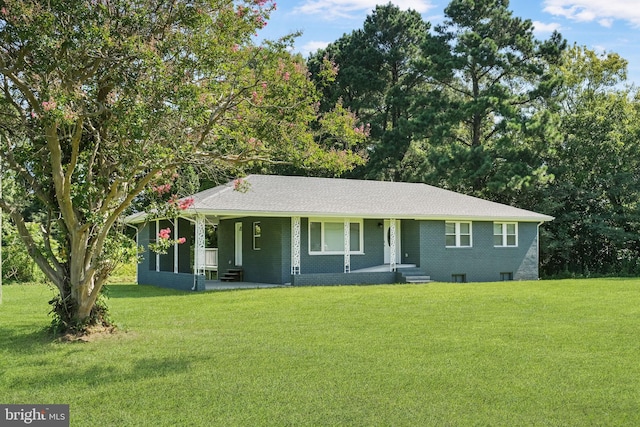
[414, 275]
[232, 275]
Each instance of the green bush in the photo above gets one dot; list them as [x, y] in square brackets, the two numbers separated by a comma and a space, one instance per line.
[17, 265]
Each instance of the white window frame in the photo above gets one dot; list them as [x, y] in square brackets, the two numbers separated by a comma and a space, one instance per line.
[504, 235]
[322, 222]
[257, 235]
[458, 234]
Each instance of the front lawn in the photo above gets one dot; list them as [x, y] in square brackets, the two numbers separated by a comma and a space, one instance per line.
[560, 353]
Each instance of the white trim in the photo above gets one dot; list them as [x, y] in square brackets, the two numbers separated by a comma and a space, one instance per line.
[259, 236]
[322, 222]
[295, 245]
[142, 217]
[237, 247]
[504, 235]
[386, 233]
[156, 239]
[393, 247]
[458, 234]
[175, 247]
[346, 230]
[199, 254]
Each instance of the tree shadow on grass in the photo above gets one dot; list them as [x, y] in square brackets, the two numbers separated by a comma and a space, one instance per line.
[25, 339]
[98, 375]
[141, 291]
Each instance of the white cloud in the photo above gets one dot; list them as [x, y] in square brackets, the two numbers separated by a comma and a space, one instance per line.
[540, 28]
[606, 22]
[312, 46]
[330, 9]
[602, 11]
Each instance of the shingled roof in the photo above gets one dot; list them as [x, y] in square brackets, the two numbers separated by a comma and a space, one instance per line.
[272, 195]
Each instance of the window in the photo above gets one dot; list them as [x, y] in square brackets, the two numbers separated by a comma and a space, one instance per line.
[327, 237]
[459, 278]
[458, 234]
[257, 236]
[505, 234]
[506, 276]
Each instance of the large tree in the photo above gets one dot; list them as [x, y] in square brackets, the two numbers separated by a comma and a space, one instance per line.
[377, 80]
[102, 99]
[490, 76]
[595, 196]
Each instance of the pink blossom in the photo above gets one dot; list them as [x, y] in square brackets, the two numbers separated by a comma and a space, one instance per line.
[182, 240]
[49, 105]
[4, 11]
[164, 233]
[287, 76]
[235, 48]
[162, 189]
[238, 183]
[185, 203]
[264, 85]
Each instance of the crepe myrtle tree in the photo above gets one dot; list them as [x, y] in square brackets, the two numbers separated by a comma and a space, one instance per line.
[102, 100]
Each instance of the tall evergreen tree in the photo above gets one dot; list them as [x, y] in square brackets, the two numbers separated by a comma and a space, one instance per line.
[490, 76]
[377, 80]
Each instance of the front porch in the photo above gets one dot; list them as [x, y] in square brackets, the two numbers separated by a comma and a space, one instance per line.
[278, 251]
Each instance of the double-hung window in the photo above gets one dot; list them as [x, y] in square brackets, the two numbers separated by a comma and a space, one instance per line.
[458, 234]
[326, 236]
[257, 236]
[505, 234]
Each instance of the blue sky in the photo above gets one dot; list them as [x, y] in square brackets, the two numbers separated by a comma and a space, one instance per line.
[601, 25]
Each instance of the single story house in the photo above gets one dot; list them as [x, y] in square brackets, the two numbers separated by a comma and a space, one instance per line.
[291, 230]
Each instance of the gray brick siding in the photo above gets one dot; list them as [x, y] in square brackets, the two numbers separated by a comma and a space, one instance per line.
[269, 264]
[423, 244]
[483, 262]
[324, 279]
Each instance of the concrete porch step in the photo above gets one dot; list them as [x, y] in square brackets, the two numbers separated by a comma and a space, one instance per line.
[414, 275]
[232, 275]
[418, 279]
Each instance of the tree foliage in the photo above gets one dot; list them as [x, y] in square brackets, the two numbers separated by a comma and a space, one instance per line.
[377, 80]
[479, 105]
[490, 77]
[595, 196]
[100, 100]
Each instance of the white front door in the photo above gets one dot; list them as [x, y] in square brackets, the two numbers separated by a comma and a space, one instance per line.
[238, 244]
[387, 242]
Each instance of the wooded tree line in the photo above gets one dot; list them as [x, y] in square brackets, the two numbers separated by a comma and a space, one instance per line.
[479, 105]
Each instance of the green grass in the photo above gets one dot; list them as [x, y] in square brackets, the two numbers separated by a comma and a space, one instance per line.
[549, 353]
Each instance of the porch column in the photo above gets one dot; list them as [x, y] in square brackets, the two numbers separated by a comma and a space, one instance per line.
[199, 256]
[157, 253]
[175, 246]
[392, 245]
[295, 245]
[347, 245]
